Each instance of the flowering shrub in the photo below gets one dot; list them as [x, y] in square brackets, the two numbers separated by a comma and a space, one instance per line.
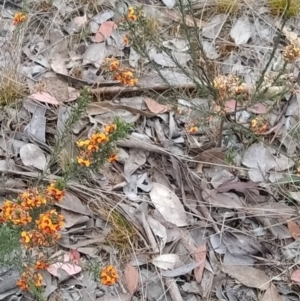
[291, 53]
[32, 214]
[124, 75]
[100, 147]
[259, 125]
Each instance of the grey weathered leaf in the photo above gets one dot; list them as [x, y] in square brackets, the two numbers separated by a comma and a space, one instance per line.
[137, 159]
[230, 259]
[94, 54]
[72, 219]
[163, 59]
[166, 261]
[260, 160]
[77, 24]
[248, 276]
[32, 155]
[241, 31]
[210, 50]
[185, 269]
[103, 16]
[218, 244]
[72, 202]
[133, 57]
[169, 3]
[168, 204]
[158, 229]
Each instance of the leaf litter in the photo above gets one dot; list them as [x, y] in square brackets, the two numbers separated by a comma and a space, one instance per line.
[242, 219]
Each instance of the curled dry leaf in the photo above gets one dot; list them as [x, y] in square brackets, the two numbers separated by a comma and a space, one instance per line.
[131, 275]
[105, 30]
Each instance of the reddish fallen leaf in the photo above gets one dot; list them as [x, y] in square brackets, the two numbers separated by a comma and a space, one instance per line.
[74, 256]
[66, 265]
[296, 275]
[155, 107]
[200, 257]
[131, 276]
[258, 108]
[294, 229]
[231, 105]
[105, 30]
[44, 97]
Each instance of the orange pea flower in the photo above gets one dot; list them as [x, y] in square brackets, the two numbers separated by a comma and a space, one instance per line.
[83, 161]
[30, 278]
[19, 18]
[193, 129]
[31, 198]
[112, 158]
[109, 275]
[50, 222]
[131, 15]
[54, 192]
[109, 129]
[41, 265]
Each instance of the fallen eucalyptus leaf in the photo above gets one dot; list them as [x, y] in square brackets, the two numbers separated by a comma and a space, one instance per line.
[32, 155]
[168, 204]
[131, 276]
[181, 271]
[94, 54]
[248, 276]
[166, 261]
[241, 31]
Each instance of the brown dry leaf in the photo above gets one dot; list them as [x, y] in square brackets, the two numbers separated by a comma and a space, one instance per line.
[272, 294]
[294, 229]
[155, 107]
[200, 256]
[44, 97]
[105, 30]
[296, 275]
[212, 156]
[131, 275]
[57, 88]
[248, 276]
